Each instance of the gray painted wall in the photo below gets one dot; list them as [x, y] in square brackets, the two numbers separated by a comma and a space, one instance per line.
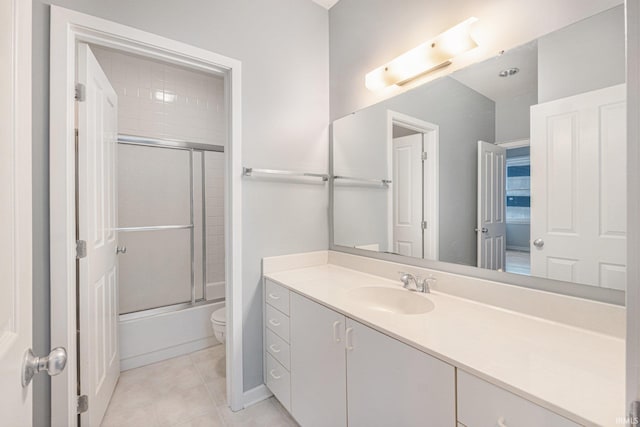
[283, 46]
[464, 117]
[518, 236]
[586, 56]
[513, 117]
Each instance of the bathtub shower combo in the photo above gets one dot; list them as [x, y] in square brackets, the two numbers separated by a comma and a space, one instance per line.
[171, 233]
[171, 185]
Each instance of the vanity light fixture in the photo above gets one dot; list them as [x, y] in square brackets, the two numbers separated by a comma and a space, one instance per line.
[429, 56]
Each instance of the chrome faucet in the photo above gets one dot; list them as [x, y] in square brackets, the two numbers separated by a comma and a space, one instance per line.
[420, 284]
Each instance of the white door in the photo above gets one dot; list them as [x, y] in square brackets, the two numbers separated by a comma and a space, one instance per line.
[491, 228]
[318, 364]
[392, 384]
[578, 188]
[407, 195]
[97, 223]
[15, 209]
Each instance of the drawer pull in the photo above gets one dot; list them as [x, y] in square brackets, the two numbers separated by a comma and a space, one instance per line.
[501, 422]
[272, 373]
[336, 332]
[349, 339]
[274, 348]
[274, 322]
[274, 296]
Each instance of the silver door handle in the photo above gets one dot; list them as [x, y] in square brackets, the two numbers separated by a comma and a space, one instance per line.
[538, 243]
[121, 250]
[484, 230]
[53, 364]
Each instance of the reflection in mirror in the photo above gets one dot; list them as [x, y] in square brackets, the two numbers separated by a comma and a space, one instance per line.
[513, 164]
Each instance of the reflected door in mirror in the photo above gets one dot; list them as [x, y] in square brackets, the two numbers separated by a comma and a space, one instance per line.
[578, 218]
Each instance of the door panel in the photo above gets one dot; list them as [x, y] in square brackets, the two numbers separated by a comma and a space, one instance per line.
[392, 384]
[15, 210]
[97, 223]
[318, 364]
[407, 195]
[491, 226]
[578, 217]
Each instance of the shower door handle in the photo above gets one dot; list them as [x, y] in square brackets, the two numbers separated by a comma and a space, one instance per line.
[121, 250]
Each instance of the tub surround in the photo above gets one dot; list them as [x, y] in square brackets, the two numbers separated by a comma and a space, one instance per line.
[562, 353]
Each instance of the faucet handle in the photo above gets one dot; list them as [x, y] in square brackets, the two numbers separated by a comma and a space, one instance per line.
[405, 278]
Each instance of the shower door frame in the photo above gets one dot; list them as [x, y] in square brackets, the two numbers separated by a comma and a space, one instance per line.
[191, 148]
[67, 29]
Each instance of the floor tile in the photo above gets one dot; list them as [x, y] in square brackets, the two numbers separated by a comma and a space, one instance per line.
[180, 407]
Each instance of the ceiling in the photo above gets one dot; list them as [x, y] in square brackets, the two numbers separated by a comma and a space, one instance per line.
[483, 77]
[326, 3]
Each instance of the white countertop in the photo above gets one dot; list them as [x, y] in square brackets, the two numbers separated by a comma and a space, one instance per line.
[574, 372]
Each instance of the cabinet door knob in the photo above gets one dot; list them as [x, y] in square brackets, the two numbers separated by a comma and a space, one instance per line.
[273, 374]
[274, 322]
[274, 348]
[273, 296]
[349, 339]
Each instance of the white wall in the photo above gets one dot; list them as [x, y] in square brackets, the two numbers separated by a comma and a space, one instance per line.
[283, 46]
[365, 34]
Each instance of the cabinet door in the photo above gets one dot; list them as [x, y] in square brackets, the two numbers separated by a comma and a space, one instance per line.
[392, 384]
[318, 378]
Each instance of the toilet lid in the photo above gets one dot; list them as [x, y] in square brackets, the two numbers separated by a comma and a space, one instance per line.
[219, 316]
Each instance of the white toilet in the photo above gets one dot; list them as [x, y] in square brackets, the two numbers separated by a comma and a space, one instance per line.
[219, 323]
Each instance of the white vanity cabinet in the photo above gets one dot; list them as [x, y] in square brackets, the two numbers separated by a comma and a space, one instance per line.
[276, 342]
[318, 364]
[340, 367]
[392, 384]
[483, 404]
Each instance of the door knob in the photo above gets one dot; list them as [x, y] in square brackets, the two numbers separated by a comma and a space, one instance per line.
[483, 229]
[538, 243]
[53, 364]
[121, 250]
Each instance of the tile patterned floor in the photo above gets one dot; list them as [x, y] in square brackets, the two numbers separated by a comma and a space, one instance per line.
[187, 391]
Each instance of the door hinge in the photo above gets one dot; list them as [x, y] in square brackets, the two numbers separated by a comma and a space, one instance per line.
[423, 224]
[80, 92]
[81, 249]
[83, 404]
[424, 156]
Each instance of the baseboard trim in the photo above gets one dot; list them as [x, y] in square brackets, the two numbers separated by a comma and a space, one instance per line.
[256, 394]
[166, 353]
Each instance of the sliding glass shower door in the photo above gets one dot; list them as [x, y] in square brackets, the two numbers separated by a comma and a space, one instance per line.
[162, 214]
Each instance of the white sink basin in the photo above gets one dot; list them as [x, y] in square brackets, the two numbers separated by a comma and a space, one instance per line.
[399, 301]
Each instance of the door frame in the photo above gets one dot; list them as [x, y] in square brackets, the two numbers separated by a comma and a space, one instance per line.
[430, 208]
[632, 294]
[67, 29]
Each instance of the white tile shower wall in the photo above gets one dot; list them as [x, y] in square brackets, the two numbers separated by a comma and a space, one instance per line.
[161, 100]
[214, 196]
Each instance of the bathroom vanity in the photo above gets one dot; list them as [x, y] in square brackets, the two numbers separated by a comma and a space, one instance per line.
[347, 347]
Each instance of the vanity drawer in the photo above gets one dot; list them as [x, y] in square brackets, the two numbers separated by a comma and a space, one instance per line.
[278, 348]
[482, 404]
[277, 322]
[277, 296]
[279, 381]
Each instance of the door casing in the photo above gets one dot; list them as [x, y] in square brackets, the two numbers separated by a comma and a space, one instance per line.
[67, 29]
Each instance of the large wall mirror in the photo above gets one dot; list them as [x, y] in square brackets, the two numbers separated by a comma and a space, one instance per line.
[514, 165]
